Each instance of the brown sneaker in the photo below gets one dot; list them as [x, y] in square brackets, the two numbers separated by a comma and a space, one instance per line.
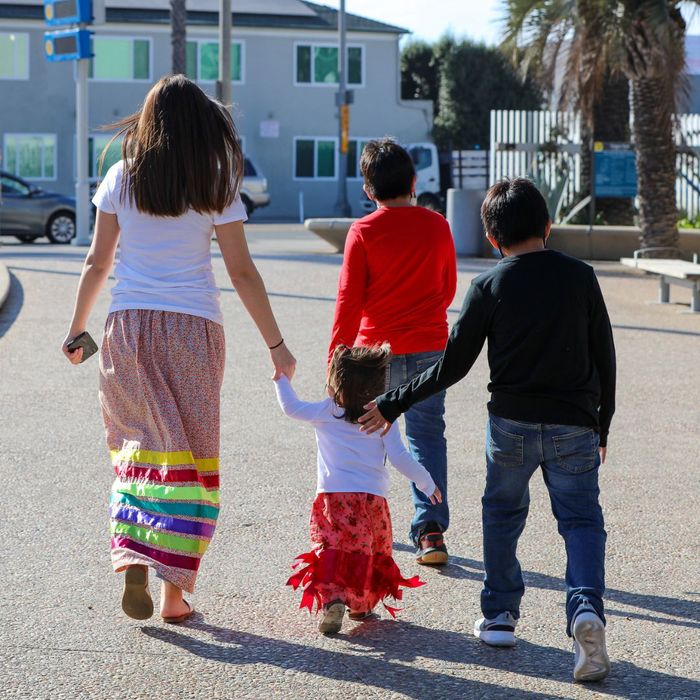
[332, 618]
[431, 549]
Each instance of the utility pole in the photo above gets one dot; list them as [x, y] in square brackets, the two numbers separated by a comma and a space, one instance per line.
[178, 36]
[343, 100]
[223, 85]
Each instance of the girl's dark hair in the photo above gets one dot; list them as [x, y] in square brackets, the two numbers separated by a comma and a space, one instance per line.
[387, 169]
[357, 376]
[181, 151]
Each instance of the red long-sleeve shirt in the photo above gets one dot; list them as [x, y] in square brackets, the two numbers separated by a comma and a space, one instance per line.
[399, 275]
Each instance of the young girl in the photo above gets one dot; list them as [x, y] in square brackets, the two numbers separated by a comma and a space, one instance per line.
[162, 356]
[351, 563]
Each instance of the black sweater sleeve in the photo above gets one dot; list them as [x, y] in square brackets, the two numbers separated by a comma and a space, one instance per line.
[463, 347]
[603, 354]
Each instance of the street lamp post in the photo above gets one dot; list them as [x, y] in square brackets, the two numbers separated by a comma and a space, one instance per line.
[342, 206]
[223, 86]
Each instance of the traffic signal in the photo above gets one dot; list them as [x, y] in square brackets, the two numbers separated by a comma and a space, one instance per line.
[69, 45]
[61, 12]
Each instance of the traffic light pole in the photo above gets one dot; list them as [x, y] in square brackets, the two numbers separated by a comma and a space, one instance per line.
[82, 186]
[342, 206]
[223, 86]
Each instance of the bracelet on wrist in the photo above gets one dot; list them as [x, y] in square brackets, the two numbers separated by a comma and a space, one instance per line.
[274, 347]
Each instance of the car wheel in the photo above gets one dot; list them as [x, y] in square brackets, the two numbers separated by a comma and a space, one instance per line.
[429, 201]
[249, 206]
[26, 238]
[61, 228]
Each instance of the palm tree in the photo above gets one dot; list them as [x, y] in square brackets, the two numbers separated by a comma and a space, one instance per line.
[603, 40]
[178, 33]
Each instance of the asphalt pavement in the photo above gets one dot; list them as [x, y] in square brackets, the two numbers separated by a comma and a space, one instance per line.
[62, 632]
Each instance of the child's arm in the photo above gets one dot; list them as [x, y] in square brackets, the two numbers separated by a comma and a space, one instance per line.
[294, 407]
[603, 351]
[463, 347]
[402, 460]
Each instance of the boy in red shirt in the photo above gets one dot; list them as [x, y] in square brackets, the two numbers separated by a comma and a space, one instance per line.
[398, 278]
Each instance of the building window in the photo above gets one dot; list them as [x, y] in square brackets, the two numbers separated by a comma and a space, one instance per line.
[203, 61]
[314, 158]
[97, 144]
[355, 148]
[32, 156]
[317, 64]
[120, 59]
[14, 56]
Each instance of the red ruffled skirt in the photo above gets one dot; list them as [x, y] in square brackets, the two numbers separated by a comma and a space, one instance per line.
[352, 556]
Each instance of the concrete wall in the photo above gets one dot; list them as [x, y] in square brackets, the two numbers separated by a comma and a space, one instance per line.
[45, 104]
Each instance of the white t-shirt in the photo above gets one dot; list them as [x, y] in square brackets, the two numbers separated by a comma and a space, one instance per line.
[164, 262]
[350, 461]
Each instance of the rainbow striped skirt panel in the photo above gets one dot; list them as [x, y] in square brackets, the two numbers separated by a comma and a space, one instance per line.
[161, 375]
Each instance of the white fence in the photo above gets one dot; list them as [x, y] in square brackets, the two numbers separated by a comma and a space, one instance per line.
[546, 147]
[470, 170]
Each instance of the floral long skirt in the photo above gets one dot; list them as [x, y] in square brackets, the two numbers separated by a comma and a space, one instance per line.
[160, 380]
[351, 561]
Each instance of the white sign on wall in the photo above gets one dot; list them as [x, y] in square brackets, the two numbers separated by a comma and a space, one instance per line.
[269, 129]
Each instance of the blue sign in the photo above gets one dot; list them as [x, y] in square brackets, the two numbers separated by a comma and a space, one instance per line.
[615, 172]
[62, 12]
[69, 45]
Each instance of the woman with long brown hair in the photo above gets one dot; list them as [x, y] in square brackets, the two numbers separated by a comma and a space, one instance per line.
[162, 355]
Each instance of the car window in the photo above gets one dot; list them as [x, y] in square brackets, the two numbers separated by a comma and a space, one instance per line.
[12, 186]
[249, 169]
[422, 157]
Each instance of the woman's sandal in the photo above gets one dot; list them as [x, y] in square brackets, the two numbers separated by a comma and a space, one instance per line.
[136, 599]
[357, 616]
[180, 618]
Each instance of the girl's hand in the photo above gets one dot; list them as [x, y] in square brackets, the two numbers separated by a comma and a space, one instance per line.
[74, 356]
[436, 497]
[373, 420]
[284, 362]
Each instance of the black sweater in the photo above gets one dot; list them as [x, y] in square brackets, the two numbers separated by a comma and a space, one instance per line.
[550, 345]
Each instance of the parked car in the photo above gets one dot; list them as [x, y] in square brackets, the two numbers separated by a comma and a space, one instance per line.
[27, 212]
[254, 194]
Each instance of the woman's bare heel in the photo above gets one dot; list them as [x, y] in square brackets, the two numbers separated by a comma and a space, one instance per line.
[136, 600]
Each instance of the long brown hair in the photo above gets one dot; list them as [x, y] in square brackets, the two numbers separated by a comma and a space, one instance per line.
[356, 376]
[181, 151]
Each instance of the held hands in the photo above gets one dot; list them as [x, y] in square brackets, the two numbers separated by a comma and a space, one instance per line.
[603, 451]
[284, 362]
[74, 356]
[436, 496]
[373, 420]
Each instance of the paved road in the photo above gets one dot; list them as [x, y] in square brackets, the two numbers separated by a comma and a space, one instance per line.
[62, 634]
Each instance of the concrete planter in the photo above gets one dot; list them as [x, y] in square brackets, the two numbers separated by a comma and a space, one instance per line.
[333, 231]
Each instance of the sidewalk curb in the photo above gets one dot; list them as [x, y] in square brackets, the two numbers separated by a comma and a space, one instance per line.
[5, 283]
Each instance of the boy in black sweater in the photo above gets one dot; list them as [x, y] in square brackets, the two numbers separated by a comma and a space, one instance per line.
[552, 362]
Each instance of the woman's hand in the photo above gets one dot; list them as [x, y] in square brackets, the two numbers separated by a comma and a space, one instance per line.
[74, 356]
[436, 496]
[373, 420]
[284, 362]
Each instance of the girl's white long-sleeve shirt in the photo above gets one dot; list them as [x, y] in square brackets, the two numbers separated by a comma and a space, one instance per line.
[351, 461]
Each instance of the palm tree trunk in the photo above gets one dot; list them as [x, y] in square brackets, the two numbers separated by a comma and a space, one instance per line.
[178, 30]
[656, 166]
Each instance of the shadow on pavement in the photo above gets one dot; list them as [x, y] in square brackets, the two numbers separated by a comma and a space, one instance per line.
[673, 331]
[463, 568]
[12, 306]
[241, 648]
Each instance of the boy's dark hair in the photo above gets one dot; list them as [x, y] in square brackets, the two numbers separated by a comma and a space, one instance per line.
[513, 211]
[357, 376]
[387, 169]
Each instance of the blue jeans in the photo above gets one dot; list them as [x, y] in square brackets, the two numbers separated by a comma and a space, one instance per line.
[569, 459]
[425, 434]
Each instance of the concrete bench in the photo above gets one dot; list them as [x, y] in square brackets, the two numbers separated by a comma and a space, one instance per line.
[682, 272]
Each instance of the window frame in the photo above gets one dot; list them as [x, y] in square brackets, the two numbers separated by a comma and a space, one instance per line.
[315, 177]
[203, 40]
[28, 56]
[131, 39]
[20, 134]
[326, 44]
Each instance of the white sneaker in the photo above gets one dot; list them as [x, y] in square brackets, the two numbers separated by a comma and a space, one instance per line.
[498, 632]
[332, 618]
[591, 662]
